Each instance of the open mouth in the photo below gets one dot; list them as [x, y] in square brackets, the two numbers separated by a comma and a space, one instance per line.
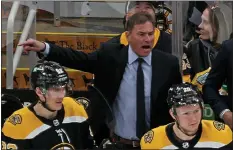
[146, 47]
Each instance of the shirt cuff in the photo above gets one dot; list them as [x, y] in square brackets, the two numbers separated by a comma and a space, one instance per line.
[223, 112]
[47, 49]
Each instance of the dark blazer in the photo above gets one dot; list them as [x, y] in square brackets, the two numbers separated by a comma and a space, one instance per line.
[221, 71]
[108, 64]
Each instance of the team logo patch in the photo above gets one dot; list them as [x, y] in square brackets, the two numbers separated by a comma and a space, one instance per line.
[185, 145]
[219, 126]
[83, 101]
[201, 79]
[185, 62]
[15, 119]
[148, 137]
[63, 146]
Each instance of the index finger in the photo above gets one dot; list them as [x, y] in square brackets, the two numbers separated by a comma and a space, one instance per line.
[23, 43]
[28, 42]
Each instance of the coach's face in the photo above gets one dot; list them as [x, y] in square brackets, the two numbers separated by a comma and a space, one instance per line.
[141, 38]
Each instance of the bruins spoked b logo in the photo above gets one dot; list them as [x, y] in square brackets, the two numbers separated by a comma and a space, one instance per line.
[63, 146]
[83, 101]
[218, 125]
[148, 137]
[15, 119]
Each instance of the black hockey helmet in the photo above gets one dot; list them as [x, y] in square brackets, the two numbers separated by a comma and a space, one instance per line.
[184, 94]
[49, 74]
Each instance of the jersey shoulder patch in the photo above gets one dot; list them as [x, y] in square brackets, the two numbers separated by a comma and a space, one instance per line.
[15, 119]
[155, 138]
[148, 137]
[85, 102]
[219, 125]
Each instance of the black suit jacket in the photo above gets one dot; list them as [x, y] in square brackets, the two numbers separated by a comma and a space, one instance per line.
[221, 71]
[108, 64]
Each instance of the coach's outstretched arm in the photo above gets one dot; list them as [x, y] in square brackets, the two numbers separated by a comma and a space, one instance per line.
[33, 45]
[67, 57]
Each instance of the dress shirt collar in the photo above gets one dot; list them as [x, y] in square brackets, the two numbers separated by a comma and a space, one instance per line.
[132, 56]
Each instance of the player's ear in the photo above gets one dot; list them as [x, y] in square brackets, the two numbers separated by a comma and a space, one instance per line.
[127, 34]
[171, 112]
[39, 93]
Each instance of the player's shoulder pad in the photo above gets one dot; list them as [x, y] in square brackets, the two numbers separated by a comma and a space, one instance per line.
[149, 137]
[20, 124]
[218, 131]
[74, 108]
[215, 125]
[217, 128]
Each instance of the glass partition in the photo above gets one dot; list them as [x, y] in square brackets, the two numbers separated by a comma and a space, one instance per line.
[84, 25]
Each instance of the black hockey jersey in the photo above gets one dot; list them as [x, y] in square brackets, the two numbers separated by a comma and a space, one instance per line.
[211, 134]
[69, 129]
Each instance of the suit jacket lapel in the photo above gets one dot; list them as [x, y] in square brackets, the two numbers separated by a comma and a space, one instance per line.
[121, 60]
[157, 75]
[157, 80]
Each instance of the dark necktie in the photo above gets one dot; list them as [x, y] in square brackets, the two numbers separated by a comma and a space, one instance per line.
[141, 122]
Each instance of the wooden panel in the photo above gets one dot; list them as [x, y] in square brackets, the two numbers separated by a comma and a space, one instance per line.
[3, 42]
[16, 78]
[78, 42]
[84, 43]
[22, 81]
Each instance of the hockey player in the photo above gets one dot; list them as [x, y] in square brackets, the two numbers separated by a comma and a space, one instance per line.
[54, 121]
[188, 131]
